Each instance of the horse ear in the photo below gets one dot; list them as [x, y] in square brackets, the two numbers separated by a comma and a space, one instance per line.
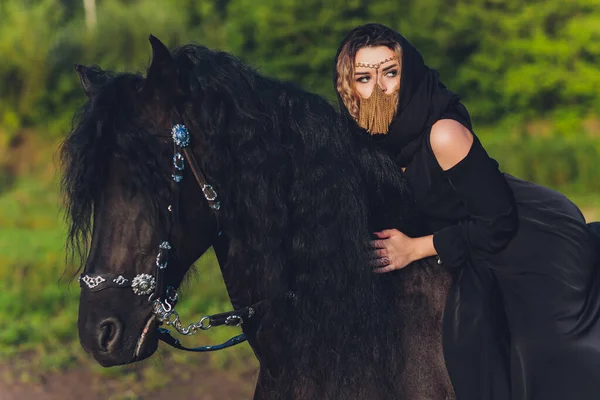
[162, 73]
[91, 79]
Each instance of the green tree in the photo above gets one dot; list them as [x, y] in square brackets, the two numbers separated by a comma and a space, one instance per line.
[26, 45]
[533, 57]
[292, 39]
[504, 57]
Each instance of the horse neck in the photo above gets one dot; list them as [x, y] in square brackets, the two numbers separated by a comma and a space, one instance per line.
[238, 292]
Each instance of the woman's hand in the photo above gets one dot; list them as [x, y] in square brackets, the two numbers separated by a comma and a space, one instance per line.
[394, 250]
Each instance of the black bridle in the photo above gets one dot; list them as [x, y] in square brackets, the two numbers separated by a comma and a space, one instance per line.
[162, 297]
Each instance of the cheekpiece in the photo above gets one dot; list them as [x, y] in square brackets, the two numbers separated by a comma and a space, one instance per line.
[162, 258]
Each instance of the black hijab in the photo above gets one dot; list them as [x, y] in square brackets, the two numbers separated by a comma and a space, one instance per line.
[423, 98]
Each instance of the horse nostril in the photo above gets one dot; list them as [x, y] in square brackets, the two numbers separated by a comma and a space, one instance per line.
[109, 333]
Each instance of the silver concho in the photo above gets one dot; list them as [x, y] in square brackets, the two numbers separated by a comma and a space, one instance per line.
[161, 262]
[92, 282]
[180, 135]
[179, 162]
[209, 192]
[120, 280]
[176, 178]
[143, 284]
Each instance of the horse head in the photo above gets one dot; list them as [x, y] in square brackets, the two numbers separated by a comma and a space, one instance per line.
[134, 207]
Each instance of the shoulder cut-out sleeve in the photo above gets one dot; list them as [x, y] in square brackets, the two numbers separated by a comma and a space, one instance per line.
[493, 217]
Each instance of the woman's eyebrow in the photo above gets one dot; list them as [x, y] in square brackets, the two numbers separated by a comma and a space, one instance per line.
[362, 73]
[390, 67]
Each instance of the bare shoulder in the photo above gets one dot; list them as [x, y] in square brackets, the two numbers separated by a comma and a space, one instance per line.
[450, 142]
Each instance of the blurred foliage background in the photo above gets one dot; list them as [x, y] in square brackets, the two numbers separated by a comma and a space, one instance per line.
[529, 72]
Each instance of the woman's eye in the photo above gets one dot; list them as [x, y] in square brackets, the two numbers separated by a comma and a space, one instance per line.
[363, 79]
[392, 73]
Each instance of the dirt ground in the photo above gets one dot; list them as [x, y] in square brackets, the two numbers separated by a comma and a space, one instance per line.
[201, 383]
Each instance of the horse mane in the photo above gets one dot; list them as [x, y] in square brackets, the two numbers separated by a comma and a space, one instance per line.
[300, 196]
[107, 129]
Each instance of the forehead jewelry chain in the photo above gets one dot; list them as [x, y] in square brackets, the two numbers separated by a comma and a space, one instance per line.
[377, 65]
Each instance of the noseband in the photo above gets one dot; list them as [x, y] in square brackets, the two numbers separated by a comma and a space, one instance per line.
[163, 298]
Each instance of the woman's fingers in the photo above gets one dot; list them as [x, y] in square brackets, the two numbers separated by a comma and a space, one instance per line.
[386, 233]
[380, 262]
[386, 256]
[378, 244]
[387, 268]
[380, 253]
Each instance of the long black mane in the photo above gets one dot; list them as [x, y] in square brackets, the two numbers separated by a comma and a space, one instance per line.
[107, 129]
[300, 196]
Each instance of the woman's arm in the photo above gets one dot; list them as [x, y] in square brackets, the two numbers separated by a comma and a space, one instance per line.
[493, 218]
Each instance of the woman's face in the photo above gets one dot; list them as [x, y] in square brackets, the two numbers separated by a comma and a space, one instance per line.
[385, 73]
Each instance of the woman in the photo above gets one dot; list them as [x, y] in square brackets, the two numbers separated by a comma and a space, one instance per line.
[522, 319]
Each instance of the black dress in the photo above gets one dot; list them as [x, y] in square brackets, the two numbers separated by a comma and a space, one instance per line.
[522, 319]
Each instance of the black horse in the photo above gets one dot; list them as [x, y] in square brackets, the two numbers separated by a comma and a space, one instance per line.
[299, 196]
